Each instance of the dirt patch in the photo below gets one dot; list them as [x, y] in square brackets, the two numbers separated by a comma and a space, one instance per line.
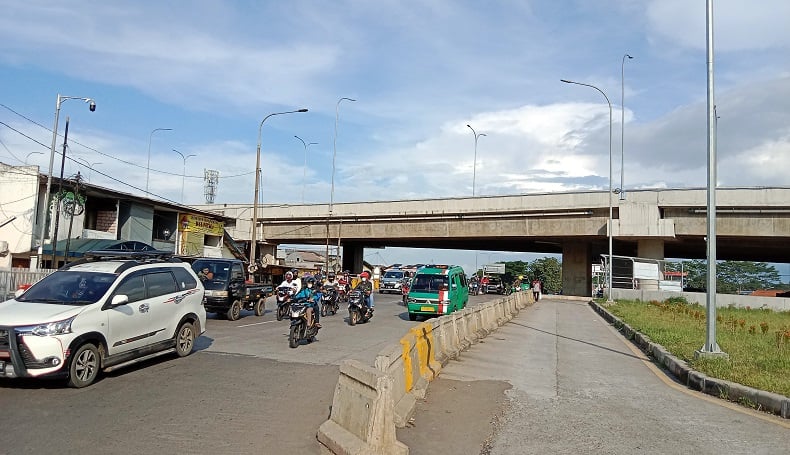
[455, 417]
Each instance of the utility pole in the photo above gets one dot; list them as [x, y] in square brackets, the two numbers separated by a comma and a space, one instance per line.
[58, 199]
[76, 208]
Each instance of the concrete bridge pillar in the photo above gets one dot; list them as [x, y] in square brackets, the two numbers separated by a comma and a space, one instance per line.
[352, 258]
[576, 269]
[650, 248]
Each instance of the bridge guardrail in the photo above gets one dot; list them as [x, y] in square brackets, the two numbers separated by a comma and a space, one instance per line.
[370, 402]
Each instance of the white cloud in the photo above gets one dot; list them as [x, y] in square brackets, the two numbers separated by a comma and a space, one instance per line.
[737, 25]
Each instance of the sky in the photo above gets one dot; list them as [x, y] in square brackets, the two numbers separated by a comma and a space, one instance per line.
[420, 72]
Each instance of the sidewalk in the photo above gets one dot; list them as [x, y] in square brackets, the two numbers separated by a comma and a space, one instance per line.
[559, 379]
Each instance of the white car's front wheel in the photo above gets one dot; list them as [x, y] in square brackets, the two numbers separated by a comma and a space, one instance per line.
[84, 367]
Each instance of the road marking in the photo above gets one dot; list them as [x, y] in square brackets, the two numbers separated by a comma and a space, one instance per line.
[660, 374]
[255, 323]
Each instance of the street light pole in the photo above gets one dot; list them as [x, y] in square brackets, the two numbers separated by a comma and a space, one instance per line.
[183, 171]
[304, 170]
[332, 191]
[711, 347]
[622, 127]
[609, 227]
[253, 265]
[44, 212]
[148, 166]
[474, 165]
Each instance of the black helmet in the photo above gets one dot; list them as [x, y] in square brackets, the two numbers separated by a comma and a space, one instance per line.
[331, 275]
[311, 280]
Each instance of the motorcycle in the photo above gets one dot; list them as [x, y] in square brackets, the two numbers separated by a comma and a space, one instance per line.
[357, 310]
[404, 290]
[283, 298]
[302, 324]
[342, 293]
[329, 301]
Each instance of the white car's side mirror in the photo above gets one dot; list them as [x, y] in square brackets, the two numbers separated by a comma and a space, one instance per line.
[120, 299]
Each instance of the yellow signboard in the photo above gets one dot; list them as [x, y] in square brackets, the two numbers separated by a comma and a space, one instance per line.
[199, 223]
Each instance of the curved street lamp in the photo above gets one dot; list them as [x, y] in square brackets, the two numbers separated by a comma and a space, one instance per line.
[474, 166]
[304, 170]
[622, 127]
[253, 266]
[184, 171]
[32, 153]
[609, 226]
[60, 100]
[88, 165]
[148, 166]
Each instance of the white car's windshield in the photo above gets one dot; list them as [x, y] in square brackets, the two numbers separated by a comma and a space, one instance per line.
[393, 274]
[69, 288]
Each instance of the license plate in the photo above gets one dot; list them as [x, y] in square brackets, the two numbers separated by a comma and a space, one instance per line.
[427, 308]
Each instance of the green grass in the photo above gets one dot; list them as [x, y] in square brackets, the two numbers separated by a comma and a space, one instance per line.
[757, 341]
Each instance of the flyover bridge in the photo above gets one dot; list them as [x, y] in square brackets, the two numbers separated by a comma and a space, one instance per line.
[752, 224]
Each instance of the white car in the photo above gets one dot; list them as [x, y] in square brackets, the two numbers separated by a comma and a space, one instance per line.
[101, 313]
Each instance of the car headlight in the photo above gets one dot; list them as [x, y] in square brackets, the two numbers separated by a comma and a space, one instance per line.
[217, 293]
[50, 328]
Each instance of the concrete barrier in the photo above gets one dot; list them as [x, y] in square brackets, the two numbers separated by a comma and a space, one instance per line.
[361, 419]
[370, 402]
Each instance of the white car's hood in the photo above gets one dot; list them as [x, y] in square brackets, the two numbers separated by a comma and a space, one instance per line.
[15, 313]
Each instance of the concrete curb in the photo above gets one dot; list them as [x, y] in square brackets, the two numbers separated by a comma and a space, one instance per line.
[370, 402]
[731, 391]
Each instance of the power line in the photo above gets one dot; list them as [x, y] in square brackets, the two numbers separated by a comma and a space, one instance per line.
[130, 163]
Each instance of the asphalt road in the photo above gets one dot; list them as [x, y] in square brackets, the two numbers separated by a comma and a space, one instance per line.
[243, 391]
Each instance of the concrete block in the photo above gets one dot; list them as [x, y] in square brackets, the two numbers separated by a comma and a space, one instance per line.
[696, 380]
[390, 362]
[438, 341]
[460, 332]
[362, 417]
[449, 345]
[679, 368]
[472, 335]
[480, 325]
[425, 349]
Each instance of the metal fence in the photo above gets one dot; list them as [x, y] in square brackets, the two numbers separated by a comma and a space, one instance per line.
[11, 279]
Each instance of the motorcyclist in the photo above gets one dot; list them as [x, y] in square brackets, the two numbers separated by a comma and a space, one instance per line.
[366, 287]
[330, 282]
[290, 282]
[319, 277]
[345, 280]
[311, 298]
[298, 279]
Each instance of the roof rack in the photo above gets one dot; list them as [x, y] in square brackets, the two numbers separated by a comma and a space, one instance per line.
[121, 255]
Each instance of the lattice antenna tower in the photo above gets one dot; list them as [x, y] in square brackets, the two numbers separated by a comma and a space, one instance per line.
[210, 184]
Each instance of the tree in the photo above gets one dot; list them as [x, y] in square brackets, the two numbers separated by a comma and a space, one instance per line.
[732, 277]
[548, 271]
